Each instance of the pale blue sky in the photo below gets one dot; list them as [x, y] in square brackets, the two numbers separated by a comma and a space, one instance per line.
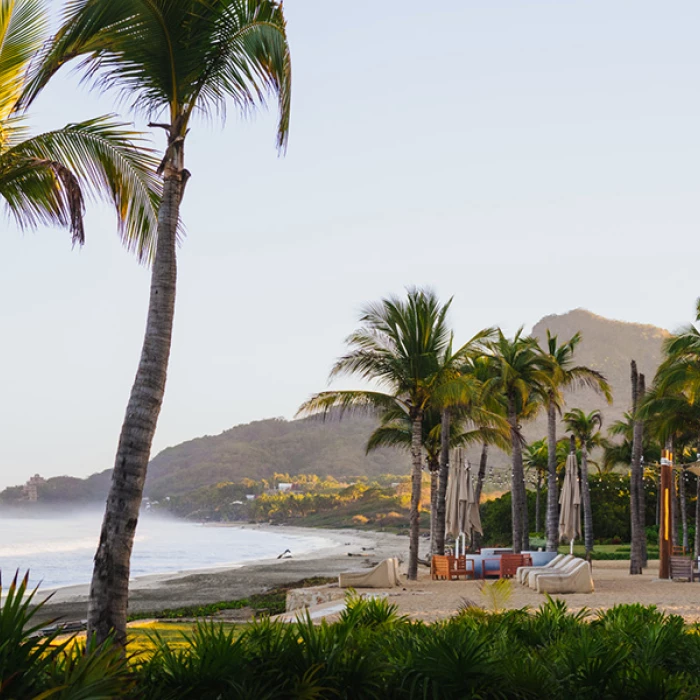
[526, 157]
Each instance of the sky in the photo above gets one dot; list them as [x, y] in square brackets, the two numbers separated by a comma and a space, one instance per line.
[525, 157]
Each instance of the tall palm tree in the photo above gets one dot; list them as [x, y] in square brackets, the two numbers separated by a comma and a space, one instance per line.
[586, 429]
[405, 347]
[565, 375]
[171, 59]
[522, 376]
[44, 179]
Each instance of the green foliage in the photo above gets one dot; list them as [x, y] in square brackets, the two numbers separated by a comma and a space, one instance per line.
[630, 651]
[39, 666]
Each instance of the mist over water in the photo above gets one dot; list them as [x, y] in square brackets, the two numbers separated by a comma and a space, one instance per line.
[58, 548]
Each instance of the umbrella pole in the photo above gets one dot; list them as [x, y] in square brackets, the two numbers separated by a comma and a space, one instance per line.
[571, 551]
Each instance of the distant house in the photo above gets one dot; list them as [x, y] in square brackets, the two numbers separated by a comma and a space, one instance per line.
[284, 486]
[30, 488]
[250, 496]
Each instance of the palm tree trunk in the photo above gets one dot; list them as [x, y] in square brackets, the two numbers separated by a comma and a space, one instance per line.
[416, 484]
[674, 511]
[696, 547]
[537, 502]
[586, 498]
[641, 510]
[516, 477]
[444, 474]
[684, 509]
[483, 460]
[552, 487]
[433, 468]
[636, 555]
[109, 589]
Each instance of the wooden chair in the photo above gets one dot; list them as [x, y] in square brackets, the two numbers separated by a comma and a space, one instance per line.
[493, 571]
[510, 563]
[678, 551]
[441, 567]
[681, 567]
[463, 567]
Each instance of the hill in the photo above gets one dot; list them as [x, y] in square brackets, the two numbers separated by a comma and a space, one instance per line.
[260, 449]
[335, 448]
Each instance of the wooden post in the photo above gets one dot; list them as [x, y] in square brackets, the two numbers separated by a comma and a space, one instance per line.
[665, 519]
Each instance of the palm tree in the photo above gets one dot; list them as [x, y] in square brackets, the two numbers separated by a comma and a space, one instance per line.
[44, 179]
[586, 429]
[523, 378]
[565, 375]
[175, 58]
[470, 425]
[405, 347]
[536, 458]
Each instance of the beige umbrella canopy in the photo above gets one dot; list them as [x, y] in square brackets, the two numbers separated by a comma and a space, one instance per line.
[472, 517]
[570, 503]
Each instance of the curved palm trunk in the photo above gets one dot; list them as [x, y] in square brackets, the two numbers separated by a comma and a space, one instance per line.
[444, 474]
[416, 483]
[586, 498]
[109, 590]
[552, 486]
[517, 483]
[483, 460]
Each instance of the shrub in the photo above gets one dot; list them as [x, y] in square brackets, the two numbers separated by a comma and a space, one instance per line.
[359, 520]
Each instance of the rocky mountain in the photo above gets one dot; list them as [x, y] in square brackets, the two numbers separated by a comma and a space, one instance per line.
[607, 346]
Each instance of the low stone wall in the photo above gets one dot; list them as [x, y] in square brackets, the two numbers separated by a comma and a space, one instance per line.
[298, 598]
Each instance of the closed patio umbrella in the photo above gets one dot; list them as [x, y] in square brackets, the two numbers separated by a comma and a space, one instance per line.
[570, 503]
[472, 516]
[452, 502]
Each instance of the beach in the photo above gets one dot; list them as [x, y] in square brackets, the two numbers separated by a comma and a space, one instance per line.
[351, 549]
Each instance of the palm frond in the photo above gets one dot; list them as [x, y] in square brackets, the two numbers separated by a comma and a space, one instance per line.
[347, 401]
[185, 56]
[43, 179]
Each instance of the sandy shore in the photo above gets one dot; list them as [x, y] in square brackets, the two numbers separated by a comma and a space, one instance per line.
[351, 549]
[432, 600]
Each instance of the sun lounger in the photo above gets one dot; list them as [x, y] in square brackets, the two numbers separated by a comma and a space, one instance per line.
[523, 571]
[576, 580]
[384, 575]
[563, 569]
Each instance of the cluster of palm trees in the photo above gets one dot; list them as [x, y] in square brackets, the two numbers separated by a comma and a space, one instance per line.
[169, 60]
[431, 396]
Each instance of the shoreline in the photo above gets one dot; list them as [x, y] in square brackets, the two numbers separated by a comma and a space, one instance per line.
[155, 592]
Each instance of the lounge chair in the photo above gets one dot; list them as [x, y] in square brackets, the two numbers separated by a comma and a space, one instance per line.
[577, 580]
[523, 571]
[383, 575]
[563, 569]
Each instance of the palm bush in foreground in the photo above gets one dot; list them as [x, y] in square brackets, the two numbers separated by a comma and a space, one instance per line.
[371, 652]
[629, 651]
[33, 666]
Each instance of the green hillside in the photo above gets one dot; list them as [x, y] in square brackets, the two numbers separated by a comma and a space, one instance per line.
[259, 450]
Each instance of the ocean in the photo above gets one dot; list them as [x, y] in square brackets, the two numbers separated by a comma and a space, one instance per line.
[58, 549]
